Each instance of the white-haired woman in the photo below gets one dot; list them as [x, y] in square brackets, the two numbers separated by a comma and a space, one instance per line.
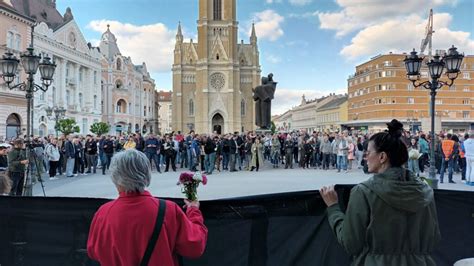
[125, 226]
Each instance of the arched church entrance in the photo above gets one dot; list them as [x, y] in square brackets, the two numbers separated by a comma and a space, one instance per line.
[217, 123]
[13, 126]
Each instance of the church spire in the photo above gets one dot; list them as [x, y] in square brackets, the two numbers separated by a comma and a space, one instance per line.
[253, 36]
[179, 35]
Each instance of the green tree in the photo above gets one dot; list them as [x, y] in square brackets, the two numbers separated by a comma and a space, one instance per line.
[100, 128]
[273, 128]
[67, 126]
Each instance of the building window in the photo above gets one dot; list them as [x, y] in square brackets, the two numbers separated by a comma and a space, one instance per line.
[242, 107]
[80, 75]
[130, 108]
[10, 39]
[465, 101]
[144, 110]
[95, 77]
[387, 63]
[466, 88]
[411, 100]
[118, 84]
[80, 100]
[54, 95]
[217, 9]
[119, 64]
[95, 101]
[410, 87]
[452, 88]
[68, 97]
[466, 114]
[84, 125]
[121, 107]
[439, 102]
[191, 107]
[466, 75]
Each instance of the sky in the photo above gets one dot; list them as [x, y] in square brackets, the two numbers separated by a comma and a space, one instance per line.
[311, 46]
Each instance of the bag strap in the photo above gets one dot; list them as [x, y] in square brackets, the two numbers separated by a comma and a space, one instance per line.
[156, 233]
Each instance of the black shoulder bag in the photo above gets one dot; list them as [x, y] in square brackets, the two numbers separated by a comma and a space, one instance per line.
[156, 233]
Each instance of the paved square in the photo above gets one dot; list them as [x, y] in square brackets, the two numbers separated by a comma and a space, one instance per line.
[220, 185]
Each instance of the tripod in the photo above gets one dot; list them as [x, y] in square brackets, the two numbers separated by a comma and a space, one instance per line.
[34, 157]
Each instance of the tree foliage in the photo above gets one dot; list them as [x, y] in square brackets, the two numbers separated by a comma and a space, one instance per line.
[273, 128]
[100, 128]
[67, 126]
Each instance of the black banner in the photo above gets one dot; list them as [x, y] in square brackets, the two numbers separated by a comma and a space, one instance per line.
[278, 229]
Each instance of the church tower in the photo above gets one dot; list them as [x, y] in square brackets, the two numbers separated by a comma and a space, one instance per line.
[213, 78]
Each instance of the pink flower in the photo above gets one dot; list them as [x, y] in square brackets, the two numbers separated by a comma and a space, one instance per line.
[204, 179]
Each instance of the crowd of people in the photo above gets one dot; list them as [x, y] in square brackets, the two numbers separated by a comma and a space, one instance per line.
[344, 151]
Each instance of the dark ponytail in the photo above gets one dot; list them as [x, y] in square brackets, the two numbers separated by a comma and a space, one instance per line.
[390, 143]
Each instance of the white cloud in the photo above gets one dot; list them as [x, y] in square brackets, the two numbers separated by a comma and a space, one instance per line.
[273, 59]
[272, 1]
[268, 25]
[300, 2]
[358, 14]
[285, 99]
[152, 44]
[404, 34]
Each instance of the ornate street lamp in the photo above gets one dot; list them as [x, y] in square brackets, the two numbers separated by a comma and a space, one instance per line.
[56, 114]
[31, 63]
[452, 60]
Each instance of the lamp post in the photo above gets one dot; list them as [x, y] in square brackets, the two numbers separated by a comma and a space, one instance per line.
[56, 114]
[452, 60]
[31, 63]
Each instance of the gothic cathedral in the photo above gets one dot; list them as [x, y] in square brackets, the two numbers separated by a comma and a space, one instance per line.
[213, 78]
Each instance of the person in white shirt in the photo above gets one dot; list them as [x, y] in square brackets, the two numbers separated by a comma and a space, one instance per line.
[469, 153]
[52, 153]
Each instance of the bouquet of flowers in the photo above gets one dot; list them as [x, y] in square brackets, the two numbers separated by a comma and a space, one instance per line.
[190, 182]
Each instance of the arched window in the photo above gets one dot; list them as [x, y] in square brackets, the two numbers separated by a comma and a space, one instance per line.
[191, 107]
[217, 9]
[121, 107]
[242, 107]
[95, 101]
[119, 64]
[217, 57]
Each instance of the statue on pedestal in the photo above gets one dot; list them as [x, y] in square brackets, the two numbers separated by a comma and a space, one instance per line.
[263, 96]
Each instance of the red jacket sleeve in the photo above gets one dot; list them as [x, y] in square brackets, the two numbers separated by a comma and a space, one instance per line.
[92, 239]
[192, 233]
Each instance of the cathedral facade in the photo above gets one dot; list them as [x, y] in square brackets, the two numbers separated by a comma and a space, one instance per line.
[213, 77]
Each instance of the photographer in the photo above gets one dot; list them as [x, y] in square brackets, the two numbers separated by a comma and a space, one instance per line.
[16, 167]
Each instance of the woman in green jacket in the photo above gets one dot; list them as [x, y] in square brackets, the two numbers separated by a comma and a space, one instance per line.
[391, 218]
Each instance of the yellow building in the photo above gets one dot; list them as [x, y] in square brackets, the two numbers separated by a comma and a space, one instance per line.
[328, 113]
[332, 116]
[213, 78]
[379, 91]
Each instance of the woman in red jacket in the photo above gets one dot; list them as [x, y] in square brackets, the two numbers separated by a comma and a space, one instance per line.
[121, 231]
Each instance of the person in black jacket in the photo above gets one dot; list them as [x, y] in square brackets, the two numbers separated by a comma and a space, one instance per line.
[210, 154]
[225, 151]
[70, 155]
[170, 153]
[289, 147]
[79, 152]
[308, 154]
[3, 158]
[108, 146]
[91, 154]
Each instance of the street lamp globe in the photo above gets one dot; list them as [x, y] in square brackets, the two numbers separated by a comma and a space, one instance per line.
[435, 66]
[453, 60]
[8, 67]
[30, 61]
[46, 68]
[413, 65]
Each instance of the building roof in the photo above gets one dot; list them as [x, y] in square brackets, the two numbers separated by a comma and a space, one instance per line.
[108, 45]
[335, 103]
[42, 11]
[7, 6]
[165, 96]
